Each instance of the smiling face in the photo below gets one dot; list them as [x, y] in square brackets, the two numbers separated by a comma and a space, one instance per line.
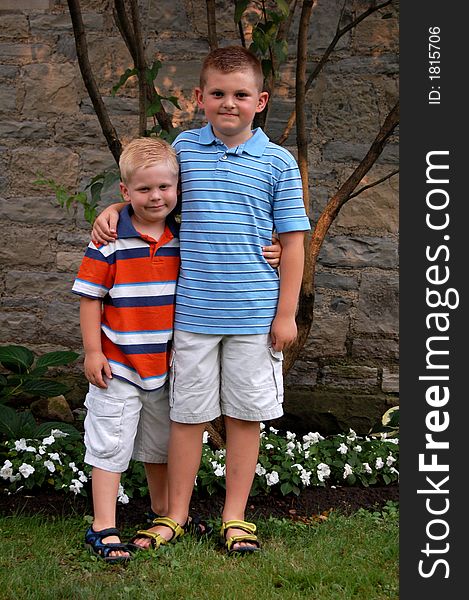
[152, 192]
[230, 102]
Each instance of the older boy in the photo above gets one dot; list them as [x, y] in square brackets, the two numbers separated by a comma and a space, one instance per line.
[234, 316]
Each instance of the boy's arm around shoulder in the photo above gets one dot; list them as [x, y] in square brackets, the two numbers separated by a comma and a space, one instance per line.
[105, 225]
[96, 364]
[283, 331]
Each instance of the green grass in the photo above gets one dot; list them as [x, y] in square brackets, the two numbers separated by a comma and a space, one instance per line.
[341, 558]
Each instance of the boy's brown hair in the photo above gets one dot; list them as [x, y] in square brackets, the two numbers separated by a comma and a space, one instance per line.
[230, 59]
[146, 152]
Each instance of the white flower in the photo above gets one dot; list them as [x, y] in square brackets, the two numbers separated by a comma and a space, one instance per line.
[57, 433]
[290, 435]
[48, 440]
[272, 430]
[20, 445]
[82, 477]
[14, 478]
[272, 478]
[312, 438]
[262, 426]
[220, 470]
[352, 435]
[49, 465]
[392, 441]
[41, 450]
[73, 467]
[323, 471]
[305, 477]
[394, 470]
[268, 446]
[26, 470]
[121, 495]
[357, 448]
[6, 471]
[75, 486]
[30, 449]
[205, 437]
[379, 463]
[307, 453]
[299, 467]
[367, 468]
[343, 449]
[260, 470]
[390, 459]
[55, 456]
[347, 470]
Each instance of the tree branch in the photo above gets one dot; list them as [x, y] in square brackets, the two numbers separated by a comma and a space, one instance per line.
[325, 57]
[373, 184]
[304, 317]
[211, 25]
[81, 45]
[141, 67]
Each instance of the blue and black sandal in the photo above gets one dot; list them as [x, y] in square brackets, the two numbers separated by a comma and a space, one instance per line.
[94, 543]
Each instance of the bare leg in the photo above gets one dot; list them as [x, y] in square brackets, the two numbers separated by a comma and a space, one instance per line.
[105, 485]
[157, 479]
[185, 451]
[242, 451]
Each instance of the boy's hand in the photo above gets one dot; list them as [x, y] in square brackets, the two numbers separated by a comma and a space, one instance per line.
[95, 366]
[273, 253]
[105, 226]
[283, 332]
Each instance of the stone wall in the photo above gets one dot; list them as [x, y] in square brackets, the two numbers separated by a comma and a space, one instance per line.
[348, 372]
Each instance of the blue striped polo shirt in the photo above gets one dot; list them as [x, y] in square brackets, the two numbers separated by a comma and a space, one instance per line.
[232, 200]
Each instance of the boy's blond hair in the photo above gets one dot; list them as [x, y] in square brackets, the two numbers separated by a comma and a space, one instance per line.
[146, 152]
[230, 59]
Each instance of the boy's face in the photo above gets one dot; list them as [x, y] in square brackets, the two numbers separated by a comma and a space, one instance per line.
[230, 102]
[152, 192]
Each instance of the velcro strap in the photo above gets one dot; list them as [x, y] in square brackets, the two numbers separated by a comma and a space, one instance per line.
[243, 525]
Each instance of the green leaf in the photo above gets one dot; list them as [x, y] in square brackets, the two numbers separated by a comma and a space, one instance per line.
[15, 425]
[110, 177]
[240, 7]
[154, 107]
[174, 101]
[283, 7]
[123, 78]
[151, 74]
[17, 359]
[59, 357]
[286, 488]
[45, 429]
[44, 387]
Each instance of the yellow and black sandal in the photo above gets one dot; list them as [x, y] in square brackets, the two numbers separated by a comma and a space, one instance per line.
[157, 539]
[249, 537]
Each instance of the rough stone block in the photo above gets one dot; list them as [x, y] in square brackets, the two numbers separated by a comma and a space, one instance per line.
[28, 165]
[38, 283]
[349, 377]
[24, 53]
[380, 349]
[25, 130]
[61, 323]
[354, 152]
[390, 381]
[7, 98]
[34, 210]
[26, 246]
[69, 261]
[378, 305]
[336, 280]
[13, 26]
[359, 252]
[17, 327]
[50, 90]
[327, 337]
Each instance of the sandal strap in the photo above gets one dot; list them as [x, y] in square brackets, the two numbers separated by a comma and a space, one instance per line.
[234, 539]
[102, 533]
[235, 524]
[177, 530]
[156, 538]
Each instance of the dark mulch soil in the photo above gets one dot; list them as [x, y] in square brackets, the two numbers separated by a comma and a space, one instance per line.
[312, 501]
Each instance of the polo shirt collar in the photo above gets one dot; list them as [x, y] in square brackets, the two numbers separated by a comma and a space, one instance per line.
[254, 146]
[125, 229]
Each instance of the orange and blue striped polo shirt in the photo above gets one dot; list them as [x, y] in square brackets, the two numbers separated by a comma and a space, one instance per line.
[135, 279]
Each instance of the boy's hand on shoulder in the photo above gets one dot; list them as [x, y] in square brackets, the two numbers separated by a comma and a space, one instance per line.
[96, 366]
[283, 332]
[105, 226]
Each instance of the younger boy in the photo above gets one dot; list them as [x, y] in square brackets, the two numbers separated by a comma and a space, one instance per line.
[234, 316]
[127, 291]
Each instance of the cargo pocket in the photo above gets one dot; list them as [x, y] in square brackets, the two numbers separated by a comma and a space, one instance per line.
[276, 359]
[103, 425]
